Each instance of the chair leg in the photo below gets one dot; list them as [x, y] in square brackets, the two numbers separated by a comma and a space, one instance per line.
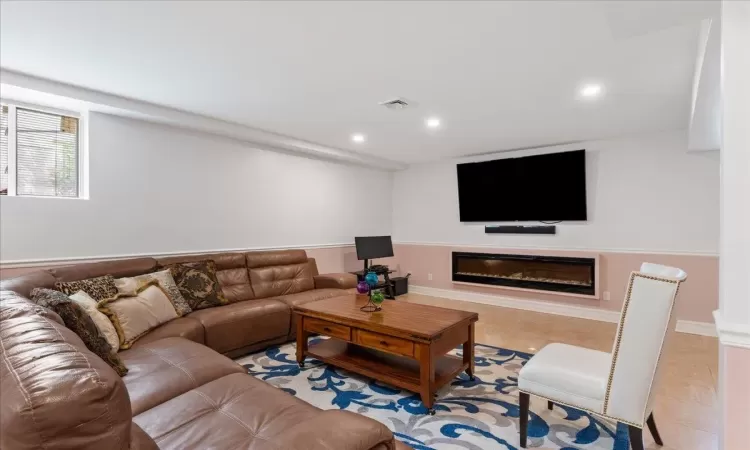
[523, 401]
[636, 437]
[654, 431]
[549, 405]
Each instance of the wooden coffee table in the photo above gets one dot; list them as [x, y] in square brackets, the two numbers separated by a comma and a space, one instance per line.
[403, 345]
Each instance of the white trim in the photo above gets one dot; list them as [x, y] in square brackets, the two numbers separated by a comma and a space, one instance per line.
[732, 334]
[693, 327]
[560, 249]
[561, 309]
[41, 108]
[23, 263]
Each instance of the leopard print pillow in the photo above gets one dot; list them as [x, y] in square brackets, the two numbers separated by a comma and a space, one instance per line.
[99, 288]
[79, 321]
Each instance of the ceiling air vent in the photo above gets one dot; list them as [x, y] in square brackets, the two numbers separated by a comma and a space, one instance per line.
[396, 103]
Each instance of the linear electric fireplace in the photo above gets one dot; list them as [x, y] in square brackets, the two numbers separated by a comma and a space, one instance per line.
[546, 273]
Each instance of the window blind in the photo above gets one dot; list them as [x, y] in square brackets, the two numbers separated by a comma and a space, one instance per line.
[46, 154]
[4, 169]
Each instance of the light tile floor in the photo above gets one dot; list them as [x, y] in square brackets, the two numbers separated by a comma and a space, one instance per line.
[685, 411]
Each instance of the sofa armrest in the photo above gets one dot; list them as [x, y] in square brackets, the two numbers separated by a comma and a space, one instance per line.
[337, 429]
[335, 281]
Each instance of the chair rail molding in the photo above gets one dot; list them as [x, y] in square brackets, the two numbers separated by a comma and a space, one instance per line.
[732, 334]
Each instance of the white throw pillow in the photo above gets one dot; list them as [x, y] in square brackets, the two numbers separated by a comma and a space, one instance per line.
[101, 321]
[137, 315]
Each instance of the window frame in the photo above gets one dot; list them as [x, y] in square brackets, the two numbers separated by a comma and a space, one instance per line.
[13, 105]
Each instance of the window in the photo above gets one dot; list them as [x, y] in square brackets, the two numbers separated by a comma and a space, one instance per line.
[39, 153]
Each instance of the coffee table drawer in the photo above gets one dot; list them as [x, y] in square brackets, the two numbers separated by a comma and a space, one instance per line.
[384, 342]
[328, 328]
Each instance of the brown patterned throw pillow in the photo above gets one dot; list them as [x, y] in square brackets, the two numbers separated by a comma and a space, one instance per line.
[99, 288]
[198, 284]
[78, 321]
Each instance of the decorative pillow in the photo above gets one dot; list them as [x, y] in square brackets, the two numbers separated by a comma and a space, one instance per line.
[129, 287]
[77, 320]
[99, 288]
[198, 284]
[135, 316]
[101, 321]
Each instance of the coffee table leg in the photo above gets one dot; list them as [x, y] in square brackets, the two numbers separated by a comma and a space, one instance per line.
[301, 342]
[427, 377]
[469, 353]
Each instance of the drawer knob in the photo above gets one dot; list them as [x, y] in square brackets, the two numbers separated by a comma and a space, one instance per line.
[384, 343]
[326, 329]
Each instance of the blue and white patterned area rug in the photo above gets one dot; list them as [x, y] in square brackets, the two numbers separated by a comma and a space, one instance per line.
[477, 415]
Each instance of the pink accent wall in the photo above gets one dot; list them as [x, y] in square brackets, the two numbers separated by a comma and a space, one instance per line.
[698, 295]
[736, 413]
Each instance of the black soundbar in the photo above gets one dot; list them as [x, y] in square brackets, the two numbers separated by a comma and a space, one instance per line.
[521, 229]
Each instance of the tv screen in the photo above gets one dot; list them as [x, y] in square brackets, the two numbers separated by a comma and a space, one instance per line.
[549, 187]
[371, 247]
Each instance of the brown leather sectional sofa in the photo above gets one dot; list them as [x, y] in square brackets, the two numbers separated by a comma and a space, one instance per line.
[180, 391]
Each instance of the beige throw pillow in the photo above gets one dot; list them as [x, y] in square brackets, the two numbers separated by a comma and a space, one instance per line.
[129, 287]
[137, 315]
[101, 321]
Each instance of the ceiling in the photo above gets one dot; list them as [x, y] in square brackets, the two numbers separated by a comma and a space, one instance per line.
[499, 75]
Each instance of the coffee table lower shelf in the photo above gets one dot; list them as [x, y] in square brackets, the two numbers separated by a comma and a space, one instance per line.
[391, 369]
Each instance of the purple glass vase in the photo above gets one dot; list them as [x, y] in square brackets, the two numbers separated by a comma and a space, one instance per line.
[363, 287]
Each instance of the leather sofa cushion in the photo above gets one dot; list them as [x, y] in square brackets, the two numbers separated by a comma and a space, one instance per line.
[281, 280]
[162, 370]
[184, 327]
[25, 283]
[256, 260]
[241, 324]
[239, 411]
[278, 273]
[335, 280]
[55, 393]
[117, 268]
[310, 296]
[231, 272]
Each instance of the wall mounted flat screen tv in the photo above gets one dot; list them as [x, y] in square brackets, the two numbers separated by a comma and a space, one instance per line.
[549, 187]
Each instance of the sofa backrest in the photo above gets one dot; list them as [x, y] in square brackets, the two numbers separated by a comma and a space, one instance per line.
[56, 394]
[281, 272]
[242, 275]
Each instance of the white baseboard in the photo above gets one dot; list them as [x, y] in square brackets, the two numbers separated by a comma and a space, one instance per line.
[560, 309]
[732, 334]
[700, 328]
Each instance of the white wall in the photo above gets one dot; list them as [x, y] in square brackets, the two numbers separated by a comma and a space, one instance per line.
[645, 193]
[158, 189]
[735, 165]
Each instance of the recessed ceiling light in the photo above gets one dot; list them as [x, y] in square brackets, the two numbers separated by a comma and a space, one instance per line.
[432, 122]
[358, 137]
[591, 90]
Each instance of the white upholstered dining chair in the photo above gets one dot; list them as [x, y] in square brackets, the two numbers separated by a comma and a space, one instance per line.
[617, 385]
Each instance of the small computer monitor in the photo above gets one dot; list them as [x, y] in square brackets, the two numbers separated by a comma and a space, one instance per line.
[371, 247]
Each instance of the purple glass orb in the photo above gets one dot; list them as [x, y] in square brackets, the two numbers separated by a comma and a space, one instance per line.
[363, 287]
